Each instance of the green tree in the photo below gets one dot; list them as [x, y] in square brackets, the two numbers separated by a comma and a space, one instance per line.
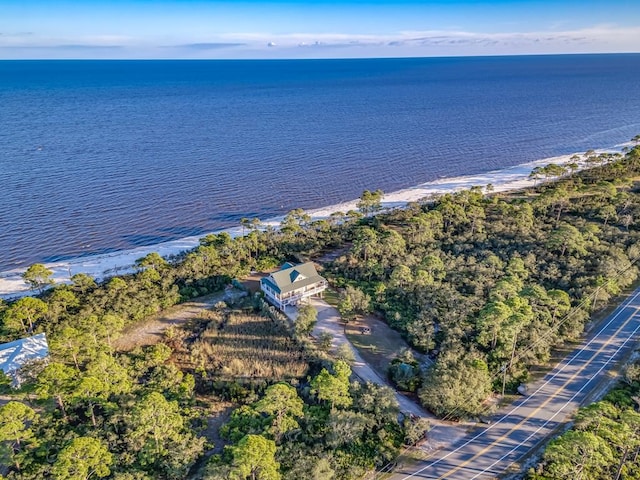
[61, 299]
[282, 403]
[405, 375]
[23, 314]
[56, 381]
[90, 391]
[82, 459]
[159, 436]
[579, 455]
[333, 388]
[131, 475]
[559, 303]
[325, 341]
[116, 285]
[155, 420]
[245, 223]
[106, 369]
[453, 213]
[306, 320]
[353, 302]
[420, 228]
[370, 202]
[401, 277]
[100, 332]
[554, 170]
[366, 244]
[149, 276]
[294, 222]
[152, 260]
[346, 308]
[70, 345]
[536, 174]
[476, 216]
[15, 430]
[491, 321]
[377, 401]
[456, 386]
[37, 276]
[82, 282]
[322, 470]
[434, 265]
[415, 429]
[524, 219]
[254, 459]
[517, 268]
[567, 238]
[346, 427]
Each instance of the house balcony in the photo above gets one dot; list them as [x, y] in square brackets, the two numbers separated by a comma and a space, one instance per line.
[292, 298]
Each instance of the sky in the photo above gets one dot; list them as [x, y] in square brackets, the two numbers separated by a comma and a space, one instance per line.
[34, 29]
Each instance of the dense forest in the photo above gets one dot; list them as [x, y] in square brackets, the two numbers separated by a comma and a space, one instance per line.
[485, 283]
[489, 283]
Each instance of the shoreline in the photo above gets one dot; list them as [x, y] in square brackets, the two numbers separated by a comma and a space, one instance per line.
[101, 266]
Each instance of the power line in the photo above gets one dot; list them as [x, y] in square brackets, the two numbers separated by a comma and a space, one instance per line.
[585, 302]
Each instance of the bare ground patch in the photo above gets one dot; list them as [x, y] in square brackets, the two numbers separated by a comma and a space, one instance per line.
[151, 331]
[217, 413]
[331, 255]
[252, 282]
[379, 345]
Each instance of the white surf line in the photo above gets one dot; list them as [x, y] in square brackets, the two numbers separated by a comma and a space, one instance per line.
[101, 266]
[620, 309]
[563, 407]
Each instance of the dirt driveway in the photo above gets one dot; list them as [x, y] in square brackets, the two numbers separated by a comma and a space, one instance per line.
[329, 322]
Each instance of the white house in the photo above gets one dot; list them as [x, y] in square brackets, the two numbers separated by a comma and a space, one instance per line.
[291, 284]
[15, 355]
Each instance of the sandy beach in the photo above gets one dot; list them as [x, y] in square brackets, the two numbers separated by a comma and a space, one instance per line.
[116, 263]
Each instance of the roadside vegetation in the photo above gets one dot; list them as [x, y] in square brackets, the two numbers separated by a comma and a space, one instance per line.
[604, 443]
[485, 284]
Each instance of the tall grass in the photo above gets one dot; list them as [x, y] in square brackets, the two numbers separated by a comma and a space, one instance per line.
[238, 345]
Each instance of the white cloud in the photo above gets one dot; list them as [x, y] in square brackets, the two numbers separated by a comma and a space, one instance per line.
[597, 35]
[598, 38]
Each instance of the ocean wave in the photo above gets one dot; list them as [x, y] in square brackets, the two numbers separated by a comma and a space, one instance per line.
[104, 265]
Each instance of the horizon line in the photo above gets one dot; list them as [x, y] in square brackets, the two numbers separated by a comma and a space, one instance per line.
[402, 57]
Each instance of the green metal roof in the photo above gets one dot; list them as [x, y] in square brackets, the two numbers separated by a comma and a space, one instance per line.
[291, 278]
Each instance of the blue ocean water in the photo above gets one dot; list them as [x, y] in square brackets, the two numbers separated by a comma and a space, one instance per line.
[97, 156]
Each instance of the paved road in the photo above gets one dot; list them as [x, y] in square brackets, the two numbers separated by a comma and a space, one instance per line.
[489, 451]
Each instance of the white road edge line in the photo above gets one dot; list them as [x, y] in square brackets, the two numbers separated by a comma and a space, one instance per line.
[617, 313]
[561, 409]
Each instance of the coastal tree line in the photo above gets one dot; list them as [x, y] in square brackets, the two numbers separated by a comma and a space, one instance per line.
[96, 412]
[489, 284]
[485, 283]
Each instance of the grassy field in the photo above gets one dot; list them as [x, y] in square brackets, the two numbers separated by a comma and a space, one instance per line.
[236, 345]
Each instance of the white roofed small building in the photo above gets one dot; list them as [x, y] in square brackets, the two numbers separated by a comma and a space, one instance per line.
[17, 354]
[292, 284]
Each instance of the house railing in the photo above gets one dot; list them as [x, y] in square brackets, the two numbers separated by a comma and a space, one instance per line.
[293, 299]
